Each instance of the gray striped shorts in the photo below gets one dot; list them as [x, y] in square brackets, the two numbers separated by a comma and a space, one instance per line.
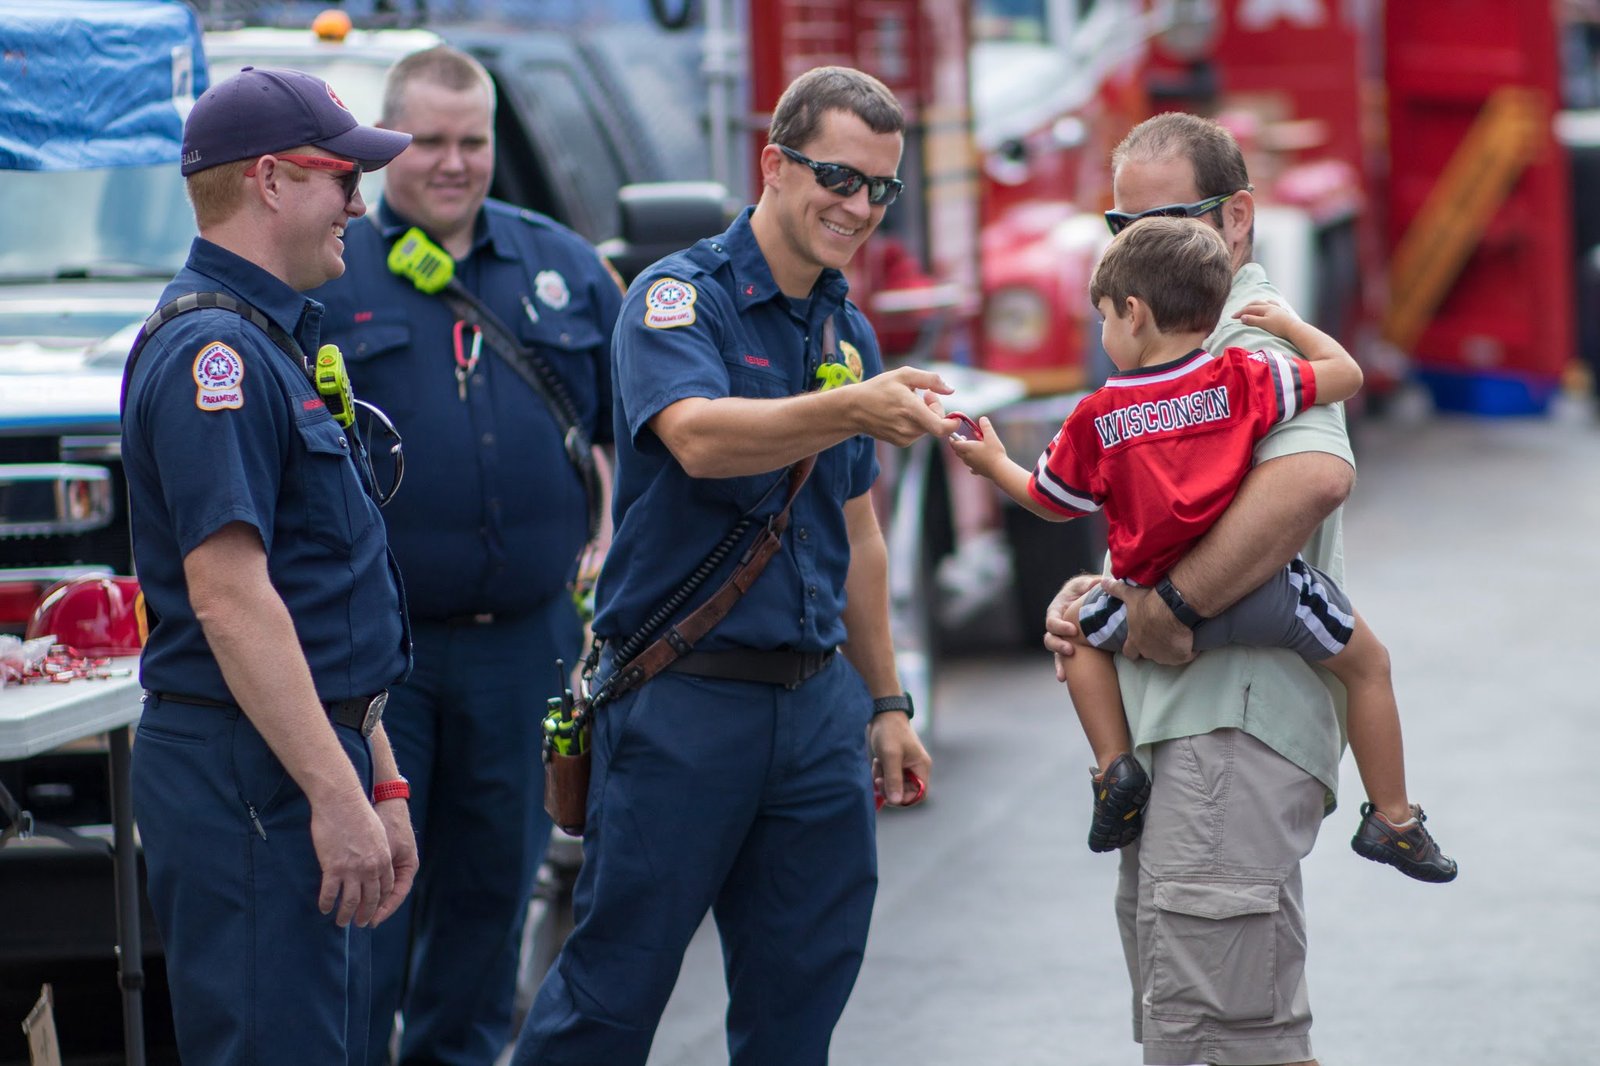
[1299, 608]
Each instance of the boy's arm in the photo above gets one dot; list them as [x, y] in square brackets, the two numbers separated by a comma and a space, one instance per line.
[987, 457]
[1338, 374]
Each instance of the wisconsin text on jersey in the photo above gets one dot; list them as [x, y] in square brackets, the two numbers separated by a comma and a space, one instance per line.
[1135, 420]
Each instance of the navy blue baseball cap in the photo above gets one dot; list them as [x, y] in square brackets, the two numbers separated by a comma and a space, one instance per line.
[261, 110]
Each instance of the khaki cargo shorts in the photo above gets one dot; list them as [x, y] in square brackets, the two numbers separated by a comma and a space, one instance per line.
[1210, 907]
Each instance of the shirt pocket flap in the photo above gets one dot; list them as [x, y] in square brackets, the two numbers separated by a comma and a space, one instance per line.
[561, 333]
[1216, 899]
[374, 339]
[323, 436]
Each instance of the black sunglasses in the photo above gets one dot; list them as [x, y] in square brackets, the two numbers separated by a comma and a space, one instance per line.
[1121, 220]
[377, 428]
[847, 180]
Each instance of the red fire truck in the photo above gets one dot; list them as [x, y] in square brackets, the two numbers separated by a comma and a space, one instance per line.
[1414, 197]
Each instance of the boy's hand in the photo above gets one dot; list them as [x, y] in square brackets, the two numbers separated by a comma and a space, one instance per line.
[1268, 315]
[983, 456]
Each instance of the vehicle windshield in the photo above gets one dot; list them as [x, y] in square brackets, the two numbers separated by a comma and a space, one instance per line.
[134, 222]
[119, 222]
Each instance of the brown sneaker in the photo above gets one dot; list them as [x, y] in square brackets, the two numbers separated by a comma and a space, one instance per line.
[1119, 798]
[1411, 850]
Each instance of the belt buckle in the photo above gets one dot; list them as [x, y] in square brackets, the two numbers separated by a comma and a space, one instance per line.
[374, 713]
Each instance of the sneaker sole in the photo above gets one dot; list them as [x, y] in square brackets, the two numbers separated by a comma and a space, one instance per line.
[1120, 832]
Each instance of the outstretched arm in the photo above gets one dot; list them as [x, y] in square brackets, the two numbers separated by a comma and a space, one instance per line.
[987, 457]
[734, 436]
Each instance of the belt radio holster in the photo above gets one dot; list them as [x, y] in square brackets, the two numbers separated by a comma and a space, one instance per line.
[566, 730]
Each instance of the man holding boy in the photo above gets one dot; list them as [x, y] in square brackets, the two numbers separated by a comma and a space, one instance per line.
[1242, 744]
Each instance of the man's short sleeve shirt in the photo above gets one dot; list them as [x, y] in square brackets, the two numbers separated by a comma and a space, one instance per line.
[488, 484]
[711, 322]
[222, 426]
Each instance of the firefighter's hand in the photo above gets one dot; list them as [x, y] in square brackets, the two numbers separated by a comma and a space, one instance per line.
[896, 749]
[1060, 620]
[1154, 632]
[890, 408]
[352, 848]
[396, 817]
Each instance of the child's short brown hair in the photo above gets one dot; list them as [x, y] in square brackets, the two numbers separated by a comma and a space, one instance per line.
[1179, 267]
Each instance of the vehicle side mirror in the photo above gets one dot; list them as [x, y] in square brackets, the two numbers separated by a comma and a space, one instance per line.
[662, 217]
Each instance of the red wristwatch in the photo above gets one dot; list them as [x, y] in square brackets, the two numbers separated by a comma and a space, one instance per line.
[398, 789]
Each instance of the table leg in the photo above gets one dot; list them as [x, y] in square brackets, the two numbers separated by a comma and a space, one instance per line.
[130, 940]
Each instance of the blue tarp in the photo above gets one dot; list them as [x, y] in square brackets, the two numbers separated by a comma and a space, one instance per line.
[96, 83]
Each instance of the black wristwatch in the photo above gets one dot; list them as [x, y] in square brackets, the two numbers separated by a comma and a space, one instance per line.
[901, 702]
[1180, 607]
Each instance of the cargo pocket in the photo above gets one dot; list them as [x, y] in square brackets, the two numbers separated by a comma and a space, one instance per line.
[1215, 950]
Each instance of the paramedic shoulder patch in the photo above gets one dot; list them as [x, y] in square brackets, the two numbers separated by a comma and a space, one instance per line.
[218, 371]
[669, 303]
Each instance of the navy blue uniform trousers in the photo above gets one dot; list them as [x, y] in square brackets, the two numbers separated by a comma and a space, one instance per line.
[747, 799]
[259, 976]
[466, 728]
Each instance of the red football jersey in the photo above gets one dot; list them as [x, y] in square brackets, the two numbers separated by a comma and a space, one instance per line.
[1164, 448]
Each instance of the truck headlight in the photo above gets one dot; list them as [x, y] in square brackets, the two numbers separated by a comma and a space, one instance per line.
[1016, 317]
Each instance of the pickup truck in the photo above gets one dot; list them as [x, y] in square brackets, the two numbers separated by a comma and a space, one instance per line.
[85, 252]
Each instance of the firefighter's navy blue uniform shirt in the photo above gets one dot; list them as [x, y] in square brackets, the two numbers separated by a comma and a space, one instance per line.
[711, 322]
[223, 426]
[492, 516]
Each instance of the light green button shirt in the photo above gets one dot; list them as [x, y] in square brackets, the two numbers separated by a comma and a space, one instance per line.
[1270, 693]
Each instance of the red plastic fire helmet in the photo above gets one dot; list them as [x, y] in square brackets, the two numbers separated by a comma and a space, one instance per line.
[95, 614]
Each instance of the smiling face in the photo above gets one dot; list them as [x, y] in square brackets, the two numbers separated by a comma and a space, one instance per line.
[803, 228]
[440, 181]
[320, 213]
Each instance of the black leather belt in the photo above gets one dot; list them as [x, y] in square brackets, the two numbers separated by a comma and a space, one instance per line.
[361, 712]
[787, 668]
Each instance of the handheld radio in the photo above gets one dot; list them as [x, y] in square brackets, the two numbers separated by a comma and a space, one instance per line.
[333, 384]
[421, 262]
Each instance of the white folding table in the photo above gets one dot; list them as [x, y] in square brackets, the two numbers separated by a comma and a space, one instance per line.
[36, 718]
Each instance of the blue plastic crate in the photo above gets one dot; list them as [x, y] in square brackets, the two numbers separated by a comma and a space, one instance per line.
[1497, 395]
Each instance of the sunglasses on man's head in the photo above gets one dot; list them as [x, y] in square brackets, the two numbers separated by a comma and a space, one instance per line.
[349, 174]
[1121, 220]
[847, 180]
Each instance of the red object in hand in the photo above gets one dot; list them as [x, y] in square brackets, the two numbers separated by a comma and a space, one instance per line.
[967, 423]
[918, 787]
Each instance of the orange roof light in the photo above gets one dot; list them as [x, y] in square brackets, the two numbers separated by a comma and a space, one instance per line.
[331, 25]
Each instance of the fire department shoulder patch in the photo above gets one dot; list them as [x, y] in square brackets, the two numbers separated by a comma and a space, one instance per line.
[669, 303]
[852, 359]
[218, 371]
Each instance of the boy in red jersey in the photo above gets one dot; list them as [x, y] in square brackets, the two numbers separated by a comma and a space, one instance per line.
[1162, 447]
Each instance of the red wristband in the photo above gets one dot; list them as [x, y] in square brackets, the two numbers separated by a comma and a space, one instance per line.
[398, 789]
